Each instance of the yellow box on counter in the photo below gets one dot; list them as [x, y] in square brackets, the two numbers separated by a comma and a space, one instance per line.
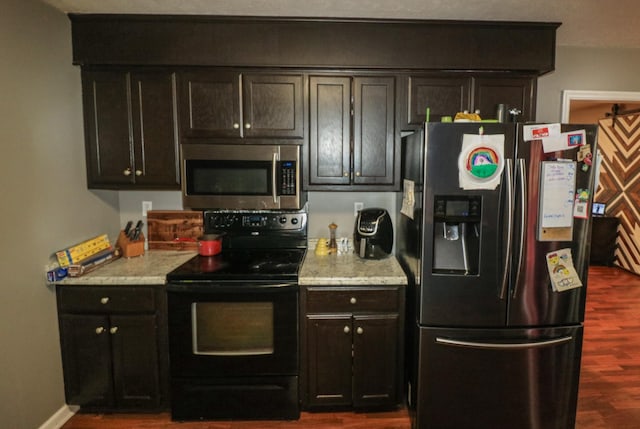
[83, 250]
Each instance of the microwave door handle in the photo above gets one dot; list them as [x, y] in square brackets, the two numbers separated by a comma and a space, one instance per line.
[274, 190]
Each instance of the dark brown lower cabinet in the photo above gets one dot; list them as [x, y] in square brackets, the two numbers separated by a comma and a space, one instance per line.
[352, 347]
[113, 355]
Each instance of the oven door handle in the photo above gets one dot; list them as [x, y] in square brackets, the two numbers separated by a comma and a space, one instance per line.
[274, 185]
[214, 287]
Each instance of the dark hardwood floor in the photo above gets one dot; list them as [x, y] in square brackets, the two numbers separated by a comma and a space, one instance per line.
[609, 385]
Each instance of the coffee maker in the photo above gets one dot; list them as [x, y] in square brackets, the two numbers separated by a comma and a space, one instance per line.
[373, 234]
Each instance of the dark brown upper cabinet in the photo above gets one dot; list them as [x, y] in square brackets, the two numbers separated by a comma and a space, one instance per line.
[448, 94]
[444, 95]
[514, 92]
[352, 138]
[130, 129]
[222, 104]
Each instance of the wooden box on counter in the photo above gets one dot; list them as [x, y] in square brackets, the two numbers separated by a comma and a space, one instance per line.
[174, 229]
[128, 247]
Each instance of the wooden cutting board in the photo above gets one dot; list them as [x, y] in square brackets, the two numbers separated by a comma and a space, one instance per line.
[174, 229]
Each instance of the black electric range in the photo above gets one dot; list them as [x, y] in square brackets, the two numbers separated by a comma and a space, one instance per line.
[233, 320]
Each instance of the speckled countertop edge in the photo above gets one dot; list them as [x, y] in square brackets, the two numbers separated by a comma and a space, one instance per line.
[148, 269]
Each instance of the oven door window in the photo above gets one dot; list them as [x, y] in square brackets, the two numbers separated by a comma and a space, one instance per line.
[232, 328]
[208, 177]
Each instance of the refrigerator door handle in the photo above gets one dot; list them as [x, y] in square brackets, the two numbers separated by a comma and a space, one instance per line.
[507, 254]
[521, 173]
[504, 346]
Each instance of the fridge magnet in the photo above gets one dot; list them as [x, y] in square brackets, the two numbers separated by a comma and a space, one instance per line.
[585, 156]
[581, 204]
[481, 161]
[562, 272]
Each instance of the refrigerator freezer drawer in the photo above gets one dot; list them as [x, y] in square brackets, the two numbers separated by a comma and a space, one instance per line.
[502, 378]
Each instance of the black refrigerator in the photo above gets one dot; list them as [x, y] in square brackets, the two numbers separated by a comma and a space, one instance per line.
[492, 341]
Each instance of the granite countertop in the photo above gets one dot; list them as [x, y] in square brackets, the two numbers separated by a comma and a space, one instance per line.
[148, 269]
[152, 267]
[349, 269]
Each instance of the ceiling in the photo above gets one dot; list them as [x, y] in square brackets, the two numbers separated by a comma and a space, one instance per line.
[585, 23]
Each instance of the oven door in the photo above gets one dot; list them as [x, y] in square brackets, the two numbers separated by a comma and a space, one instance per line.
[254, 177]
[233, 330]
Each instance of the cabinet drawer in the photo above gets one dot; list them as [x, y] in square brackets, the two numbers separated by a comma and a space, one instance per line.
[326, 299]
[84, 299]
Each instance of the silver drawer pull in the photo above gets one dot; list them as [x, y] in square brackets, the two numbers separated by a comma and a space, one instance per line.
[359, 330]
[113, 330]
[353, 300]
[346, 330]
[99, 330]
[104, 300]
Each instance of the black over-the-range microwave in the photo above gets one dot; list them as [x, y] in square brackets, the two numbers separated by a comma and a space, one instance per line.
[250, 177]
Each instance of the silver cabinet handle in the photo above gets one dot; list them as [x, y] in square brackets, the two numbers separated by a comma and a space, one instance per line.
[512, 346]
[345, 174]
[353, 300]
[247, 125]
[346, 330]
[138, 173]
[104, 300]
[357, 173]
[359, 330]
[127, 171]
[113, 330]
[236, 126]
[99, 330]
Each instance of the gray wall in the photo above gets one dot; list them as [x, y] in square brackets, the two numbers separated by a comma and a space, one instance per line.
[45, 203]
[586, 69]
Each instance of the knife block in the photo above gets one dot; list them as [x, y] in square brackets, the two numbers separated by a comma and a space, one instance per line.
[128, 247]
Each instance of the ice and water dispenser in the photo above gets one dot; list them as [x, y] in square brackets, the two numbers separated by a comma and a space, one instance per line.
[456, 234]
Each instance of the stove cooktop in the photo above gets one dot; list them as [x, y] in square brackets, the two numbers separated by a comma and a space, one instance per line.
[241, 265]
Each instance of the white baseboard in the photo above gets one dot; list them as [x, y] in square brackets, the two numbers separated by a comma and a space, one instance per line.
[60, 417]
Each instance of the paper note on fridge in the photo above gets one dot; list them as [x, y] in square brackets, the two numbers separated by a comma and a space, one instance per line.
[540, 131]
[557, 192]
[565, 141]
[562, 273]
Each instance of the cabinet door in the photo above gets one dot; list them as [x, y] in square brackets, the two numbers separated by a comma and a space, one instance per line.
[518, 92]
[86, 360]
[135, 361]
[330, 130]
[273, 105]
[109, 145]
[375, 360]
[373, 130]
[329, 348]
[209, 104]
[443, 95]
[154, 129]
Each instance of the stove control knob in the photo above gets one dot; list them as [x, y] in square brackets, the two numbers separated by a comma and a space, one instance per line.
[294, 221]
[283, 219]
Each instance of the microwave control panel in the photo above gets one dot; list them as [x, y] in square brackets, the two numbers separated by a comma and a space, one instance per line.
[288, 178]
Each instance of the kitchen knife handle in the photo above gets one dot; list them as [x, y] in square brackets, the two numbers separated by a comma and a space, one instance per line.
[509, 211]
[521, 173]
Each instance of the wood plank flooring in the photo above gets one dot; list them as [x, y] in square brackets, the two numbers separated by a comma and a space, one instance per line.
[609, 395]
